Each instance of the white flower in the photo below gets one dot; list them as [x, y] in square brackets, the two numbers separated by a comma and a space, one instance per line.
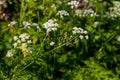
[50, 25]
[23, 39]
[38, 29]
[74, 4]
[24, 35]
[24, 44]
[52, 43]
[10, 53]
[25, 23]
[15, 38]
[86, 37]
[34, 24]
[95, 24]
[81, 36]
[29, 41]
[62, 13]
[18, 41]
[77, 30]
[115, 10]
[81, 32]
[12, 23]
[15, 45]
[78, 12]
[89, 12]
[85, 12]
[85, 32]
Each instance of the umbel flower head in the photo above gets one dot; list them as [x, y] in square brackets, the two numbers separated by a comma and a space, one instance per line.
[74, 4]
[10, 53]
[115, 10]
[62, 13]
[81, 32]
[50, 25]
[27, 25]
[21, 42]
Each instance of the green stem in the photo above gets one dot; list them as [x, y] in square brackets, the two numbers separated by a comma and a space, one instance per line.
[61, 45]
[110, 38]
[42, 43]
[22, 11]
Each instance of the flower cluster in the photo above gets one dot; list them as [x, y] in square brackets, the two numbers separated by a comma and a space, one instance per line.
[62, 13]
[10, 53]
[81, 12]
[22, 40]
[27, 25]
[74, 4]
[89, 12]
[12, 23]
[50, 25]
[82, 33]
[115, 10]
[86, 12]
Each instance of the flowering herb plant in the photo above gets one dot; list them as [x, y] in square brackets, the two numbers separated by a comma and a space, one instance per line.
[61, 40]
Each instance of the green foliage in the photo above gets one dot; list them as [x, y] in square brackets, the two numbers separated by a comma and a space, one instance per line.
[42, 44]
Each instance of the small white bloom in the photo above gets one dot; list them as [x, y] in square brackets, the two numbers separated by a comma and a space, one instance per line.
[15, 45]
[10, 53]
[18, 41]
[81, 36]
[15, 38]
[87, 37]
[85, 32]
[74, 32]
[25, 23]
[78, 12]
[52, 43]
[53, 29]
[29, 41]
[89, 12]
[74, 4]
[23, 40]
[115, 10]
[24, 35]
[95, 24]
[34, 24]
[12, 23]
[50, 25]
[77, 30]
[62, 13]
[24, 45]
[81, 32]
